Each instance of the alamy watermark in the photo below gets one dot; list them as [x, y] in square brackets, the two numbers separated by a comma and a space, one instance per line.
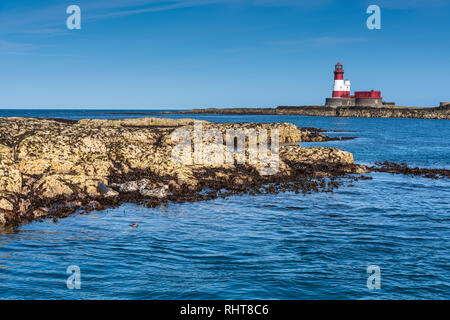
[374, 21]
[374, 280]
[74, 280]
[240, 146]
[74, 20]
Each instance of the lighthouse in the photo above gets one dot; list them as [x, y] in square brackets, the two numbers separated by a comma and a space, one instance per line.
[342, 97]
[341, 88]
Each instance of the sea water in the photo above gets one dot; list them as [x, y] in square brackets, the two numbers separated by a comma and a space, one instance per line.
[286, 246]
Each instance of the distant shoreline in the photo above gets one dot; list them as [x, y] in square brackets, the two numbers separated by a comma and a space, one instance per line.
[442, 112]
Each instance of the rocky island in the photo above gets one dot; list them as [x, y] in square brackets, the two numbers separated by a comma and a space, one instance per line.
[50, 168]
[441, 112]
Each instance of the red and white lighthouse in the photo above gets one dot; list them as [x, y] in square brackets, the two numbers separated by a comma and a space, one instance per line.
[343, 98]
[341, 88]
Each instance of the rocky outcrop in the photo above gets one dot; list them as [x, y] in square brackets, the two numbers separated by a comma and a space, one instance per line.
[398, 112]
[51, 168]
[442, 112]
[316, 155]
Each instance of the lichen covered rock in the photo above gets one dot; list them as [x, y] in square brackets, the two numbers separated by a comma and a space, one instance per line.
[49, 166]
[316, 155]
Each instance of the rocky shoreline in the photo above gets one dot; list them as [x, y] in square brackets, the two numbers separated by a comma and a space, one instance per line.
[50, 168]
[442, 112]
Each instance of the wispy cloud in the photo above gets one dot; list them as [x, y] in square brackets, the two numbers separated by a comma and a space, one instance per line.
[297, 44]
[51, 19]
[104, 12]
[411, 4]
[8, 47]
[291, 3]
[327, 41]
[318, 41]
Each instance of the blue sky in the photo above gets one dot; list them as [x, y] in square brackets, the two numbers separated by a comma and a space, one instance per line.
[133, 54]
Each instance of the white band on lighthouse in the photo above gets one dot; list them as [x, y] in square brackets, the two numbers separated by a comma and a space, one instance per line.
[341, 85]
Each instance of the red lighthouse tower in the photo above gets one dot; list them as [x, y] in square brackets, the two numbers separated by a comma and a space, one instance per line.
[341, 88]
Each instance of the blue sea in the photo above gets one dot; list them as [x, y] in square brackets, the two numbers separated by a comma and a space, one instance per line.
[286, 246]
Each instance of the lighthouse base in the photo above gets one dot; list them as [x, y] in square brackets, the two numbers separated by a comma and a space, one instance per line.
[340, 102]
[354, 102]
[369, 102]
